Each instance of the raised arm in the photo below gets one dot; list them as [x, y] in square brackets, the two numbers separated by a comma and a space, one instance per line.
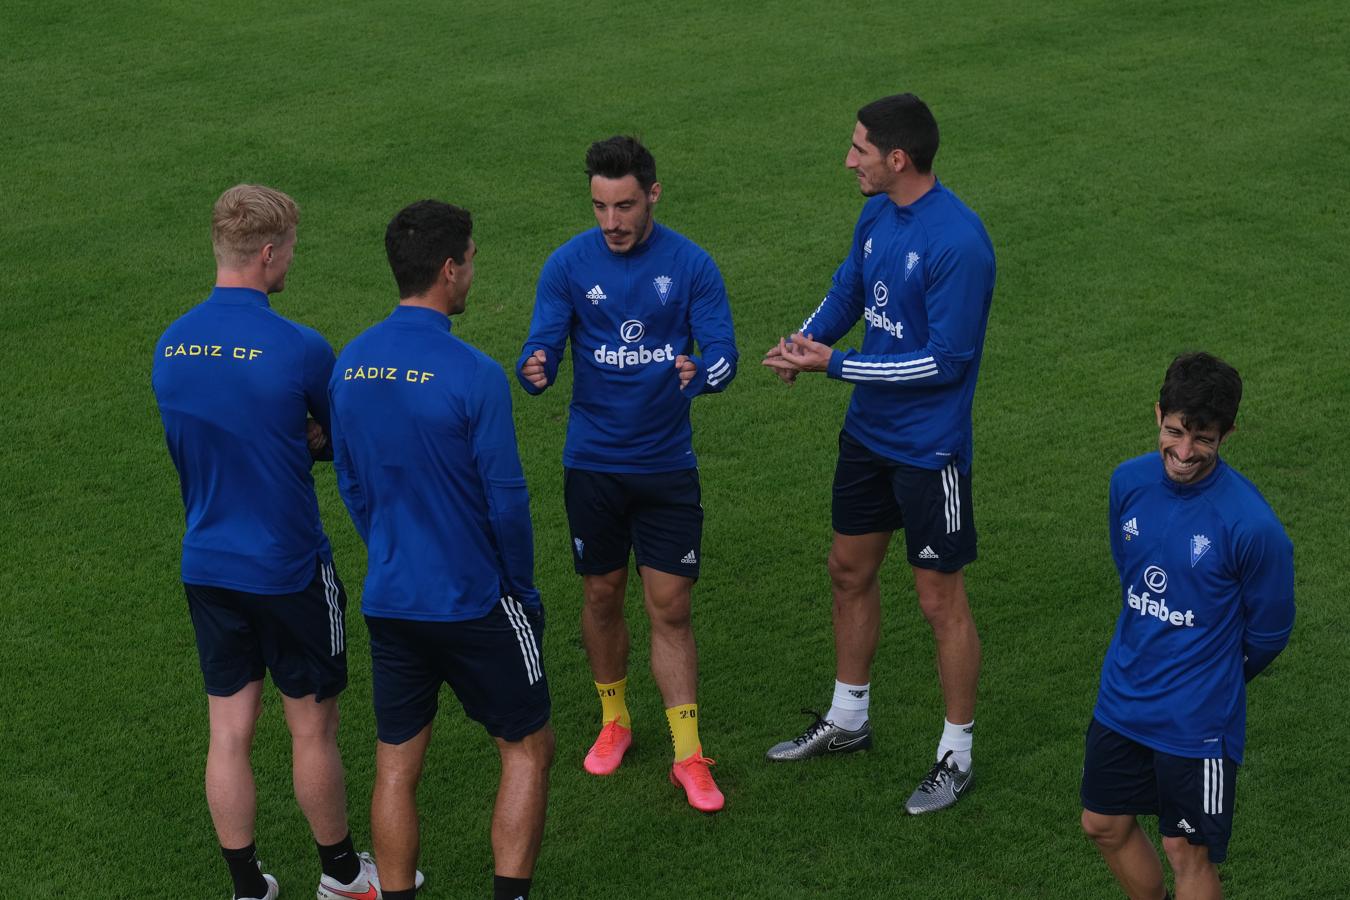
[961, 280]
[537, 367]
[710, 324]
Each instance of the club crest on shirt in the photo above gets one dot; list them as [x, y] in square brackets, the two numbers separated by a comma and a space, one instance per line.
[911, 260]
[1199, 547]
[662, 284]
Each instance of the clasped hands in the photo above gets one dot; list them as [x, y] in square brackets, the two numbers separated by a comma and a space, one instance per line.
[797, 354]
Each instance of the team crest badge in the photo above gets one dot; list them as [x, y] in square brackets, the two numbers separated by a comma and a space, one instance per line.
[1199, 547]
[911, 260]
[662, 284]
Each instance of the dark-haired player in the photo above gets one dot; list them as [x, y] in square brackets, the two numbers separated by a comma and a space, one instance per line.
[1207, 602]
[426, 458]
[634, 298]
[920, 272]
[236, 384]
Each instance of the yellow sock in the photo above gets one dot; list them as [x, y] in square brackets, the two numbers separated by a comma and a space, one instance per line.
[612, 705]
[684, 729]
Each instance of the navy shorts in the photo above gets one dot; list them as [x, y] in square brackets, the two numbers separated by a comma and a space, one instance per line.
[1192, 798]
[875, 494]
[493, 664]
[300, 638]
[658, 516]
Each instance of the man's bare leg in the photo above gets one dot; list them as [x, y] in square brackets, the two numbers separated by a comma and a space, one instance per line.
[674, 654]
[604, 630]
[1196, 877]
[1128, 853]
[522, 799]
[855, 561]
[316, 766]
[393, 809]
[230, 791]
[942, 598]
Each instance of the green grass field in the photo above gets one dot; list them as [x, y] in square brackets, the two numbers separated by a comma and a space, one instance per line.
[1156, 176]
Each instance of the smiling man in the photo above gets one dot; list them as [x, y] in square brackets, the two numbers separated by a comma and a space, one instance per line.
[920, 273]
[1207, 594]
[634, 297]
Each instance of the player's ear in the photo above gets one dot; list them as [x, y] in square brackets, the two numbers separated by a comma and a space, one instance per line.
[899, 160]
[1157, 411]
[655, 193]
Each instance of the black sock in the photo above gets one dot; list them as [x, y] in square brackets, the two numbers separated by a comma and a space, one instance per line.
[339, 860]
[409, 894]
[243, 863]
[504, 888]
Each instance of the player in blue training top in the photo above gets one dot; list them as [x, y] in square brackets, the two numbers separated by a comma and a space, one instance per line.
[426, 458]
[1207, 602]
[236, 384]
[634, 297]
[920, 273]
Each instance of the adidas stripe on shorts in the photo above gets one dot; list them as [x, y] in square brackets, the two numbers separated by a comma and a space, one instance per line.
[494, 664]
[875, 494]
[299, 638]
[1192, 798]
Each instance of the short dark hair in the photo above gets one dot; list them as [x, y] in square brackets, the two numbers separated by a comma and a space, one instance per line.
[421, 238]
[620, 156]
[1203, 389]
[902, 122]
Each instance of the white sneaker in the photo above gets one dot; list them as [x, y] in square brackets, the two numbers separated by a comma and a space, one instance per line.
[366, 885]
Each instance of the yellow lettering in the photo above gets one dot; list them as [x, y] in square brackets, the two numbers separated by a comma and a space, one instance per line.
[238, 352]
[360, 373]
[195, 349]
[427, 376]
[411, 376]
[168, 351]
[215, 349]
[373, 372]
[391, 374]
[180, 350]
[254, 354]
[347, 375]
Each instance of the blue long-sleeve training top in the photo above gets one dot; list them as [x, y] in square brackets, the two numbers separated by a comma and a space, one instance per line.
[235, 383]
[427, 463]
[922, 277]
[1206, 578]
[628, 316]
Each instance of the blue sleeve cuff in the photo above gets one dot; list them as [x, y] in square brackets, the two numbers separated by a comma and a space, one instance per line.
[698, 382]
[835, 369]
[550, 369]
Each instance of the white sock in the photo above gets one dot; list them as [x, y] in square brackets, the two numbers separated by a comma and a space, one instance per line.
[957, 738]
[848, 710]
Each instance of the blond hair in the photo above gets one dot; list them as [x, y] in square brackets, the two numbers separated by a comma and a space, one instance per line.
[246, 218]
